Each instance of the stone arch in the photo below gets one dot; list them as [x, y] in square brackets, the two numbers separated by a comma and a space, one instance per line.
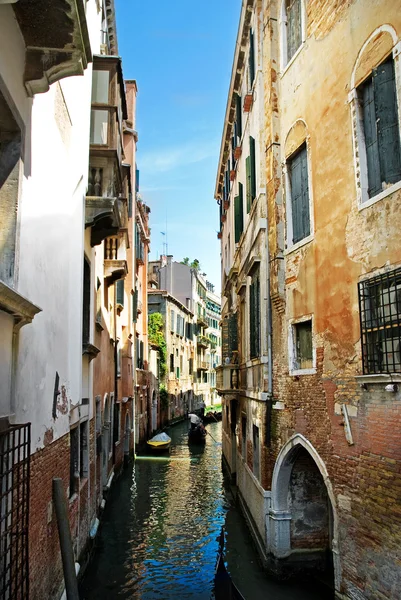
[379, 44]
[296, 136]
[282, 509]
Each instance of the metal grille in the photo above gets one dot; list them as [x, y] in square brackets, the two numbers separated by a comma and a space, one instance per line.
[14, 473]
[380, 315]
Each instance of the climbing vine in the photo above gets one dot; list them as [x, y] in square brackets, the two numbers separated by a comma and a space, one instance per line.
[156, 337]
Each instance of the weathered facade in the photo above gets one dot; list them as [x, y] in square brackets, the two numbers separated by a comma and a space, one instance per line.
[178, 324]
[329, 459]
[191, 290]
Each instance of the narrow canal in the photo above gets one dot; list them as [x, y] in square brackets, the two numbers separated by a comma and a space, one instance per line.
[159, 534]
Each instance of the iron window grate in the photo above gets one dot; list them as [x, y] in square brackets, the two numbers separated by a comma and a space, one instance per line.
[380, 317]
[14, 516]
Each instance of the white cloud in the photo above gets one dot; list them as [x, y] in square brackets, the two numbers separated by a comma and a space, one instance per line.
[170, 158]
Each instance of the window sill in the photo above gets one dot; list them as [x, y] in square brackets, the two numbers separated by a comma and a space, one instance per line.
[387, 192]
[379, 378]
[297, 372]
[293, 59]
[299, 244]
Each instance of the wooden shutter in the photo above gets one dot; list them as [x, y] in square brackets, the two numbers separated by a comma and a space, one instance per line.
[252, 319]
[248, 183]
[253, 167]
[134, 306]
[300, 196]
[294, 27]
[238, 111]
[387, 122]
[251, 58]
[371, 141]
[239, 214]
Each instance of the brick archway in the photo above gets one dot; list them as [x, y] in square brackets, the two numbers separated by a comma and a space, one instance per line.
[298, 460]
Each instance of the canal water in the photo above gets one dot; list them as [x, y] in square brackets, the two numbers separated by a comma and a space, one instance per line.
[159, 536]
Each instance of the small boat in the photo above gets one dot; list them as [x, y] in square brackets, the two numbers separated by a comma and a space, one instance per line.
[160, 442]
[197, 435]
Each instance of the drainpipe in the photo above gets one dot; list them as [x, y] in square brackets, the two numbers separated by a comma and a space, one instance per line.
[269, 346]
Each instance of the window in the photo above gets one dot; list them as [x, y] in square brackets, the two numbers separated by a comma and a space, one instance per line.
[378, 101]
[256, 450]
[120, 292]
[191, 366]
[177, 372]
[303, 350]
[380, 314]
[250, 167]
[74, 461]
[238, 118]
[134, 296]
[298, 206]
[116, 423]
[172, 321]
[254, 315]
[293, 20]
[83, 450]
[86, 302]
[243, 436]
[171, 363]
[239, 213]
[251, 60]
[118, 358]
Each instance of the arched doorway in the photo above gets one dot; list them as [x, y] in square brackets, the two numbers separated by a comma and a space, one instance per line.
[106, 439]
[303, 523]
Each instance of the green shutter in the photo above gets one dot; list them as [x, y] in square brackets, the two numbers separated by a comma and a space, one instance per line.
[251, 58]
[253, 167]
[134, 306]
[248, 183]
[239, 214]
[371, 141]
[120, 292]
[387, 122]
[298, 171]
[294, 28]
[239, 115]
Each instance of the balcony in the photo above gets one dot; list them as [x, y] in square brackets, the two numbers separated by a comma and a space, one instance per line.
[115, 263]
[56, 40]
[202, 365]
[202, 320]
[108, 191]
[202, 341]
[228, 379]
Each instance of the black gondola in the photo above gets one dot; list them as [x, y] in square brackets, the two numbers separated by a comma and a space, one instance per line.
[224, 588]
[197, 435]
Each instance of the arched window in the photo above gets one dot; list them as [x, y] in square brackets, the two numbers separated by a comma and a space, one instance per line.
[375, 108]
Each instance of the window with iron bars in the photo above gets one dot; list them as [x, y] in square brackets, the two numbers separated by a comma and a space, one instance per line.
[380, 315]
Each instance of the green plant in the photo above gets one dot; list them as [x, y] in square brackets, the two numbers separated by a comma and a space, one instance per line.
[163, 396]
[156, 337]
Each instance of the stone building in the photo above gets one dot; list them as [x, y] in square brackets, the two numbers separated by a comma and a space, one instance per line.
[318, 449]
[178, 323]
[190, 288]
[44, 141]
[213, 356]
[68, 271]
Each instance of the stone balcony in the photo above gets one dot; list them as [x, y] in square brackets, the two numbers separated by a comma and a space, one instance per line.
[56, 40]
[228, 379]
[203, 341]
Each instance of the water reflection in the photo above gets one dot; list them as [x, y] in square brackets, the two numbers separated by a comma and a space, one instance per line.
[159, 536]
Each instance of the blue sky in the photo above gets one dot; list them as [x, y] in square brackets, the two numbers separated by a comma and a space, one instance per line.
[181, 55]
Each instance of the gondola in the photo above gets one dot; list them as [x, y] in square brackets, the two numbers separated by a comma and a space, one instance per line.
[197, 435]
[224, 588]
